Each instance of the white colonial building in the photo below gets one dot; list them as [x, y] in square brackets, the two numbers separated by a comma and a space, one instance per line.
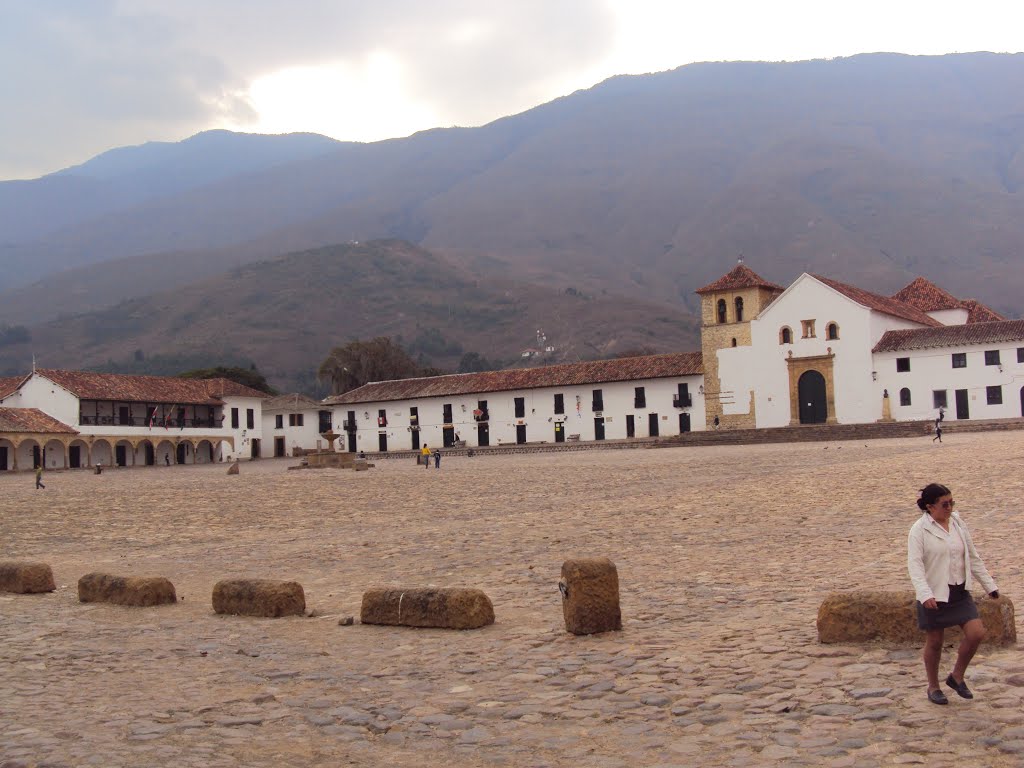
[294, 422]
[605, 399]
[70, 419]
[819, 351]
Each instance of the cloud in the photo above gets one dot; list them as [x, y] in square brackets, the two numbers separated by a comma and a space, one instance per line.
[82, 76]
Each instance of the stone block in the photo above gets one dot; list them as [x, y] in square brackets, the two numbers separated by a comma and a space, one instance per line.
[259, 597]
[126, 590]
[891, 616]
[26, 578]
[451, 608]
[590, 595]
[233, 469]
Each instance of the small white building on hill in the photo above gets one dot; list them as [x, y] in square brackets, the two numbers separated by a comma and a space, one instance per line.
[294, 421]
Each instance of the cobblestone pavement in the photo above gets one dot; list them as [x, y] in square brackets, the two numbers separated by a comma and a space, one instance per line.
[724, 555]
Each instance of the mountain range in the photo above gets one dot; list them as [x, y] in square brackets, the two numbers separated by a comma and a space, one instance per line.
[871, 169]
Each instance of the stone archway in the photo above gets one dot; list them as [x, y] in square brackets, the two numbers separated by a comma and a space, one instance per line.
[102, 453]
[204, 452]
[165, 453]
[811, 382]
[54, 453]
[79, 455]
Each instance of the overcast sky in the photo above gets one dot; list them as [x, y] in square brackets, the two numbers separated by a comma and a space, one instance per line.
[78, 77]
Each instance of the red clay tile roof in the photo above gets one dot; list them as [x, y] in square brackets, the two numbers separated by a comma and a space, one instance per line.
[882, 304]
[952, 336]
[292, 402]
[9, 384]
[979, 313]
[595, 372]
[87, 385]
[928, 297]
[32, 420]
[741, 276]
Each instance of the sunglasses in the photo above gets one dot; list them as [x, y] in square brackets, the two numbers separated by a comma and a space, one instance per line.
[945, 504]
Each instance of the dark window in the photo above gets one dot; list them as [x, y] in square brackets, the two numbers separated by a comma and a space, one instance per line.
[991, 357]
[234, 418]
[832, 331]
[559, 404]
[446, 413]
[721, 310]
[520, 403]
[682, 398]
[639, 398]
[324, 418]
[481, 414]
[279, 421]
[959, 359]
[598, 402]
[939, 399]
[250, 418]
[734, 341]
[1020, 354]
[739, 310]
[382, 418]
[785, 336]
[902, 364]
[414, 415]
[295, 420]
[291, 419]
[995, 395]
[904, 396]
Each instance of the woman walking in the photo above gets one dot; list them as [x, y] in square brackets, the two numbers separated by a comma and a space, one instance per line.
[942, 559]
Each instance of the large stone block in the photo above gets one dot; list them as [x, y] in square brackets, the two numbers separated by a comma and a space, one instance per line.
[26, 578]
[451, 608]
[259, 597]
[865, 615]
[126, 590]
[590, 595]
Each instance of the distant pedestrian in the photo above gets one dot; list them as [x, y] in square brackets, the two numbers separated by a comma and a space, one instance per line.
[437, 460]
[717, 421]
[938, 431]
[942, 414]
[39, 477]
[425, 455]
[167, 459]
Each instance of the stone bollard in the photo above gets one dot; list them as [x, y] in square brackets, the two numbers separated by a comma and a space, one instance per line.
[233, 469]
[26, 578]
[259, 597]
[452, 608]
[590, 595]
[126, 590]
[891, 616]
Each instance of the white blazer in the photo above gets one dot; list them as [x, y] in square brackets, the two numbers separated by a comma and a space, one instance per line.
[928, 559]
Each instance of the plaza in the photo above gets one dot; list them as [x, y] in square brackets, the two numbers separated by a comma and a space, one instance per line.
[724, 554]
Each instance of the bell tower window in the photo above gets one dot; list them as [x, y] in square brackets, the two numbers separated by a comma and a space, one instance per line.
[721, 310]
[739, 309]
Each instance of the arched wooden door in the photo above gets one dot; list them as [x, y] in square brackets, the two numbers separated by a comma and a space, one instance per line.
[813, 400]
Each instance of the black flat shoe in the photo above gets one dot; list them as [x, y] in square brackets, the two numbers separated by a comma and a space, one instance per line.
[937, 697]
[961, 688]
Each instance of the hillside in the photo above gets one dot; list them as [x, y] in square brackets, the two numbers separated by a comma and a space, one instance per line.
[286, 314]
[872, 169]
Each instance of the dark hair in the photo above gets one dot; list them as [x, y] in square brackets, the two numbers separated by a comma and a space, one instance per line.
[932, 493]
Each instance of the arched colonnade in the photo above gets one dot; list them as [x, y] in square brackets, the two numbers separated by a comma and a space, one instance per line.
[25, 451]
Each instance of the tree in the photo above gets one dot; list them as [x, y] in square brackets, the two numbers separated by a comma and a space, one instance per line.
[249, 377]
[473, 362]
[359, 362]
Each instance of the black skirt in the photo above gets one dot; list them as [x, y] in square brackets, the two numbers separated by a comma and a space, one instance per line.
[960, 609]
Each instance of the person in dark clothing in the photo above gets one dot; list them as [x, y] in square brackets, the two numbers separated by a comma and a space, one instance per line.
[437, 459]
[938, 431]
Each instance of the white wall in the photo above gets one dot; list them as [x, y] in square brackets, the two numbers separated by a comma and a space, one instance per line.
[305, 437]
[243, 434]
[539, 417]
[932, 369]
[949, 316]
[39, 392]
